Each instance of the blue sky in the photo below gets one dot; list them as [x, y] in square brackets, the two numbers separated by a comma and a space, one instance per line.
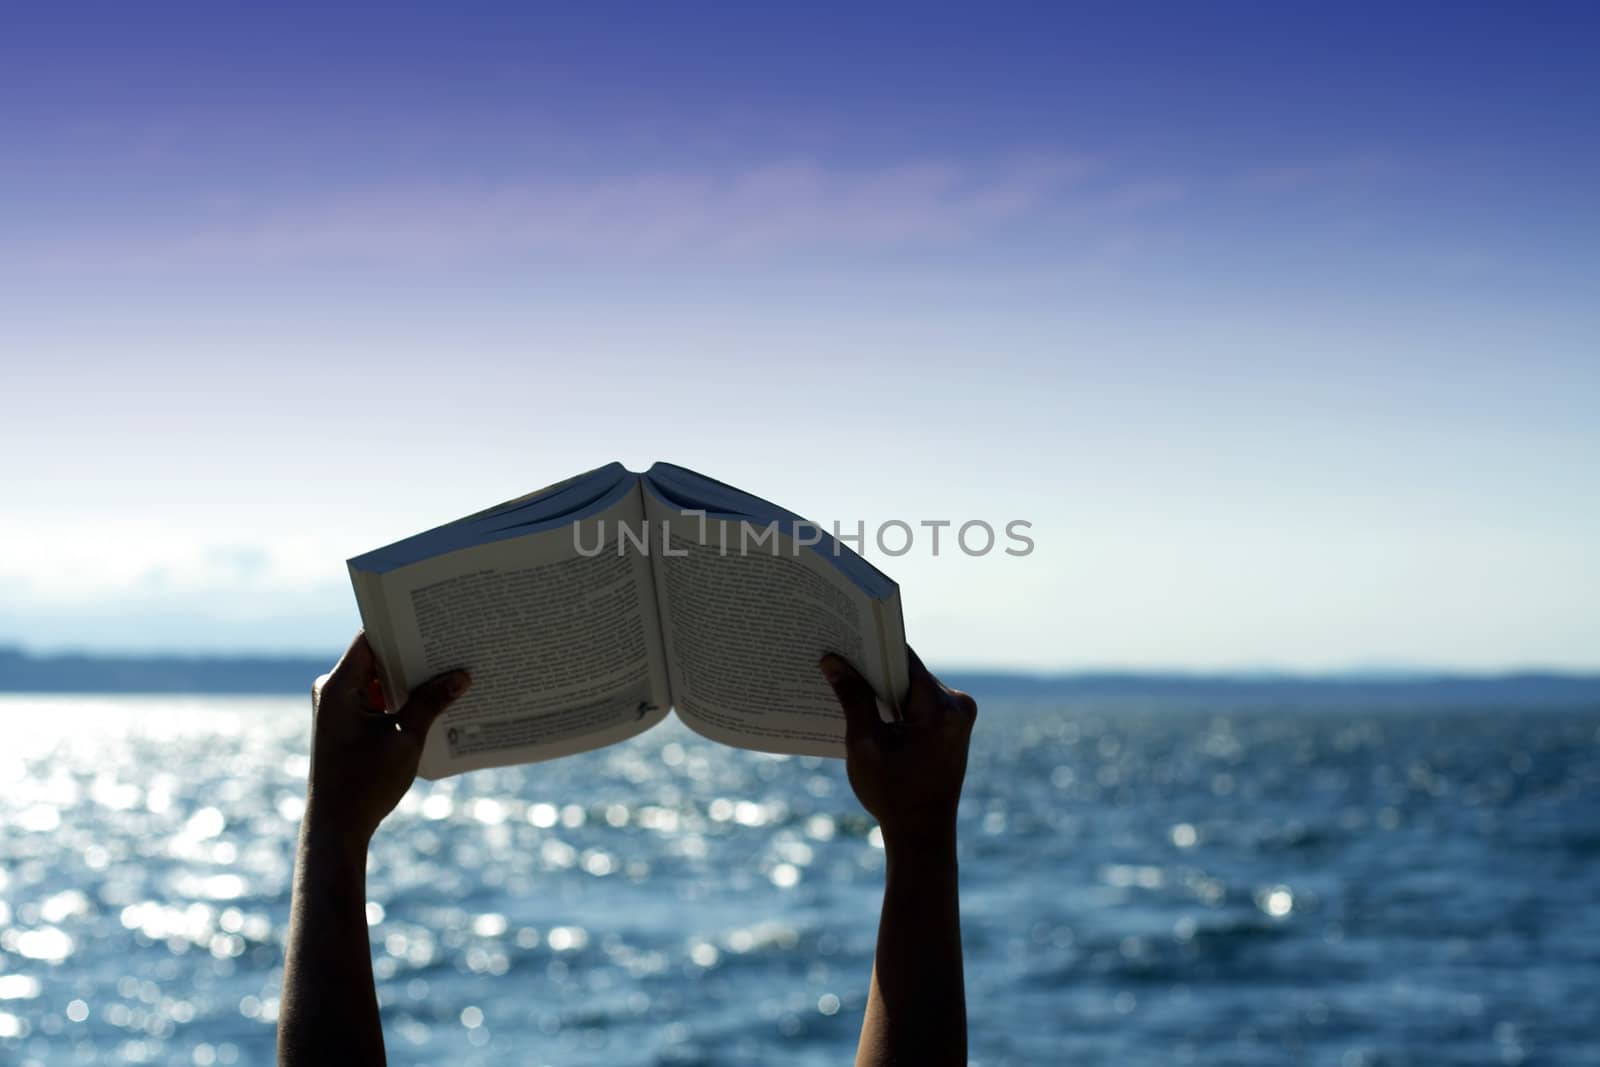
[1278, 326]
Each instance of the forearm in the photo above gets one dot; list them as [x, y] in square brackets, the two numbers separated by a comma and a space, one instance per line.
[916, 1007]
[329, 1013]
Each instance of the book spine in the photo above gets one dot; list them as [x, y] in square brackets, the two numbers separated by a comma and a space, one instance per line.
[887, 642]
[375, 620]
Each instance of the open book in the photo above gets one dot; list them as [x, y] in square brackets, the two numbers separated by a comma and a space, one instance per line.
[587, 610]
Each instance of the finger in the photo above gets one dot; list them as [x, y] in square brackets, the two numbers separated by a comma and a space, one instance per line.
[429, 700]
[926, 695]
[355, 667]
[855, 696]
[930, 698]
[965, 706]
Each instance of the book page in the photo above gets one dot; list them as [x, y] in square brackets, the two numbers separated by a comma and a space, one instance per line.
[559, 630]
[744, 627]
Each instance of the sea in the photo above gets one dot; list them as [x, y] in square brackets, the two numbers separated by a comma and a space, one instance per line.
[1182, 883]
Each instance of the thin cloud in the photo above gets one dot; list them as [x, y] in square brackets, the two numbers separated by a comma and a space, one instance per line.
[1304, 175]
[66, 564]
[775, 209]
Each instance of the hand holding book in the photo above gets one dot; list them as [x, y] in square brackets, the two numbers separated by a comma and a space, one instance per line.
[363, 755]
[907, 774]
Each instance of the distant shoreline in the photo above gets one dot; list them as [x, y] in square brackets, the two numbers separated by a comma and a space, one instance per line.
[23, 672]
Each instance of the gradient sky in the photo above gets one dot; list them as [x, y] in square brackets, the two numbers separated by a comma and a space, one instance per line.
[1279, 326]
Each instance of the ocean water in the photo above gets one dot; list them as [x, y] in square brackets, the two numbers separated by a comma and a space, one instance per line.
[1188, 885]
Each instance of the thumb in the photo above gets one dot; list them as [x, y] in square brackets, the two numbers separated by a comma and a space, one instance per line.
[429, 700]
[856, 697]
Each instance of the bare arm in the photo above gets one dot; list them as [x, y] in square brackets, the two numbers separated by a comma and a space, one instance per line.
[330, 1007]
[908, 775]
[362, 762]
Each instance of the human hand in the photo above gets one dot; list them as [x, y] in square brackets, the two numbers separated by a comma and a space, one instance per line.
[906, 774]
[363, 758]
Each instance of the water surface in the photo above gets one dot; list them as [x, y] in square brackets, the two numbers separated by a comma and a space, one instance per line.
[1187, 885]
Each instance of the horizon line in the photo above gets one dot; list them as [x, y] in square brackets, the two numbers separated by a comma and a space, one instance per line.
[1391, 673]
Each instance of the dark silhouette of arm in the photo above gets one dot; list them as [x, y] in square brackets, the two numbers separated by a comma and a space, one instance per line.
[362, 762]
[908, 775]
[329, 1012]
[916, 1007]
